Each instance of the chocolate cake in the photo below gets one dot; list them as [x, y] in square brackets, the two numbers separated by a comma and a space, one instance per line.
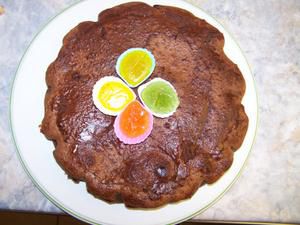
[192, 147]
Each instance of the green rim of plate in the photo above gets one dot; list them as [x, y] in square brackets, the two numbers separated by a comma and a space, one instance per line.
[85, 218]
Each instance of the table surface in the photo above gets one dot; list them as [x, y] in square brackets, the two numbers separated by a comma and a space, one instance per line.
[269, 35]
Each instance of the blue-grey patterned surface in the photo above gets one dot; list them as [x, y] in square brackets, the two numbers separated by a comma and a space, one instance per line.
[268, 33]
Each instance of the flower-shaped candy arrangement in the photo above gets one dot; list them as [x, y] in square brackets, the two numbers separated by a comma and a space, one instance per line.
[114, 96]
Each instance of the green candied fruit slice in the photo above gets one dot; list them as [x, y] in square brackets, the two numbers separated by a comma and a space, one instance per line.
[160, 97]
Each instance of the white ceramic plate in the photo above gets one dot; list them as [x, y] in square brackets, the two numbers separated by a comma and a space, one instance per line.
[27, 110]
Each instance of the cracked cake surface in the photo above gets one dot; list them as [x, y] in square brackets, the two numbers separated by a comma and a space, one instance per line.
[192, 147]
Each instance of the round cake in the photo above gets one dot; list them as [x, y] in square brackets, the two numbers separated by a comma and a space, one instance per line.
[184, 151]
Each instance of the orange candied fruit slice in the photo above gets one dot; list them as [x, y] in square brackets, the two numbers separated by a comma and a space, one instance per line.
[134, 120]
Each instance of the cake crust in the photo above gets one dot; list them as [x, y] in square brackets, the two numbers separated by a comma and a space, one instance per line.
[192, 147]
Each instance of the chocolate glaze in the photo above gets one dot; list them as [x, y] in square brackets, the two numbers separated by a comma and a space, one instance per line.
[192, 147]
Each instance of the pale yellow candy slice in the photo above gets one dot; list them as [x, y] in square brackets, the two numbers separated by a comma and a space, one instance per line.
[111, 95]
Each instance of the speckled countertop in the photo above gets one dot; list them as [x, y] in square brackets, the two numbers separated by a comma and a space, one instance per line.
[269, 35]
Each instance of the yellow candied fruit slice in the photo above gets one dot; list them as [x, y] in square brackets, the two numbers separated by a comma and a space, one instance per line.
[111, 95]
[114, 96]
[135, 66]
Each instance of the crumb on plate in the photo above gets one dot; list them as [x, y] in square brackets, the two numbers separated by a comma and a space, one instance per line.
[2, 11]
